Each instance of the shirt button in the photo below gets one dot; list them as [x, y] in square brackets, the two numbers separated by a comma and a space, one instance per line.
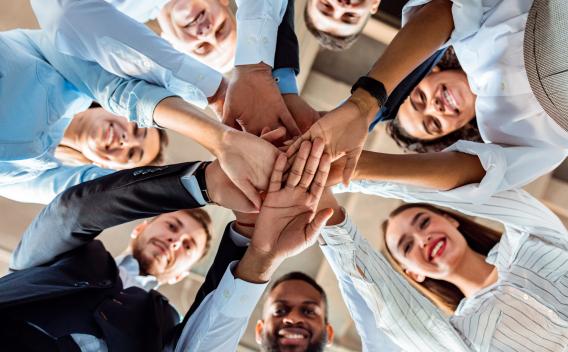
[526, 297]
[81, 284]
[243, 299]
[226, 294]
[201, 77]
[265, 40]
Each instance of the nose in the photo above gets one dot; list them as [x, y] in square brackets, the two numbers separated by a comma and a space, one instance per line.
[435, 105]
[128, 138]
[177, 241]
[204, 28]
[424, 240]
[293, 317]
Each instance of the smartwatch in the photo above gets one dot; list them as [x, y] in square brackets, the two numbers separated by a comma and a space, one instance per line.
[201, 182]
[373, 87]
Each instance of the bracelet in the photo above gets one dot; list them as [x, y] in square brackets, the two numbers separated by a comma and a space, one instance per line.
[244, 224]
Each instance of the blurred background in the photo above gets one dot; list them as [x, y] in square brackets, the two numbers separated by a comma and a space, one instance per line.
[325, 80]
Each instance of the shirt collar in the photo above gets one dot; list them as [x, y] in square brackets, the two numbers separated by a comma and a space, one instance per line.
[129, 269]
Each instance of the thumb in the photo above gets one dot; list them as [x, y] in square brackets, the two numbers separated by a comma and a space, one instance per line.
[274, 135]
[313, 228]
[250, 192]
[350, 165]
[289, 122]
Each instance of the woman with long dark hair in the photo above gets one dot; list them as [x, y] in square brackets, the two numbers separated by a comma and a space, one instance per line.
[447, 283]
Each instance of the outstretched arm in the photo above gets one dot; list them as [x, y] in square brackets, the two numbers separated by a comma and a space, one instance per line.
[428, 29]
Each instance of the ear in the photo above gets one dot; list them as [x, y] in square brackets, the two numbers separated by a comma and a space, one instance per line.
[375, 7]
[452, 221]
[436, 69]
[330, 334]
[414, 276]
[138, 229]
[178, 278]
[224, 2]
[258, 331]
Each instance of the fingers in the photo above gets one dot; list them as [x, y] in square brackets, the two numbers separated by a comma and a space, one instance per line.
[274, 135]
[276, 177]
[297, 169]
[313, 228]
[350, 165]
[289, 122]
[312, 164]
[318, 185]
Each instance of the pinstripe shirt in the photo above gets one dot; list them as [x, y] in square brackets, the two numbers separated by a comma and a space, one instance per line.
[525, 310]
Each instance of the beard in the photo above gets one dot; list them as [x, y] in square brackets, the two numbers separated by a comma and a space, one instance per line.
[270, 343]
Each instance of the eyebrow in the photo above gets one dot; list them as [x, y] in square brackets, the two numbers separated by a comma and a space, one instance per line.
[179, 223]
[416, 217]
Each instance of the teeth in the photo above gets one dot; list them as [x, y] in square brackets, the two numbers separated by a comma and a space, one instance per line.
[110, 135]
[450, 100]
[436, 249]
[293, 336]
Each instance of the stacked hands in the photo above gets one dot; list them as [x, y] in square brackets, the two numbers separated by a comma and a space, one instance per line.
[252, 103]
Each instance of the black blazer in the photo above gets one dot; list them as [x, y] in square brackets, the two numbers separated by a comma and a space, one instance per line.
[287, 52]
[80, 291]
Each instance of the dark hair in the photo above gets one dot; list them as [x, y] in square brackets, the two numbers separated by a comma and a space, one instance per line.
[164, 141]
[478, 237]
[468, 132]
[298, 275]
[329, 41]
[204, 219]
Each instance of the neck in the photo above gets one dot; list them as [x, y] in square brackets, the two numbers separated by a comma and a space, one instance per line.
[72, 135]
[473, 274]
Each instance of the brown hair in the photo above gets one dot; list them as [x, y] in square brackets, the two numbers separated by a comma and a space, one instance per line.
[469, 132]
[478, 237]
[204, 219]
[329, 41]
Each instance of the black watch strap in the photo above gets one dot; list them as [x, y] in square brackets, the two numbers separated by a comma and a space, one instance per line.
[373, 87]
[200, 178]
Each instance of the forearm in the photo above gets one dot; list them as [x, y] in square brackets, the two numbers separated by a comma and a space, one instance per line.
[426, 32]
[71, 220]
[442, 171]
[176, 114]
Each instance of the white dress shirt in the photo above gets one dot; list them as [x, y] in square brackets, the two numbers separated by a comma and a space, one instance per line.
[488, 41]
[525, 310]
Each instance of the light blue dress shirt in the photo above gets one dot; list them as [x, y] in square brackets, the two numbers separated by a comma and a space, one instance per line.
[40, 91]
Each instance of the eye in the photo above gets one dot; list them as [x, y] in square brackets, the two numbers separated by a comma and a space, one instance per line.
[196, 18]
[130, 154]
[172, 227]
[221, 29]
[437, 125]
[309, 312]
[424, 222]
[407, 247]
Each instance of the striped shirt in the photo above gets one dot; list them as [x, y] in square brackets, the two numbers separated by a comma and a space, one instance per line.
[525, 310]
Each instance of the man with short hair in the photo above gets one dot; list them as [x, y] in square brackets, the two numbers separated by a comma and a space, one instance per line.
[66, 292]
[337, 24]
[294, 316]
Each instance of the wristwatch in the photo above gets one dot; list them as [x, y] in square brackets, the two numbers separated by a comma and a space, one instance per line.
[200, 178]
[373, 87]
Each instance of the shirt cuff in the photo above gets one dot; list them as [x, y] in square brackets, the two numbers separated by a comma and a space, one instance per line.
[286, 80]
[238, 296]
[256, 41]
[238, 239]
[190, 183]
[145, 107]
[340, 235]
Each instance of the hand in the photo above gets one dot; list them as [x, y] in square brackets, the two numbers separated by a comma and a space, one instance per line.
[217, 100]
[245, 223]
[254, 102]
[336, 172]
[344, 131]
[223, 191]
[304, 115]
[286, 224]
[248, 161]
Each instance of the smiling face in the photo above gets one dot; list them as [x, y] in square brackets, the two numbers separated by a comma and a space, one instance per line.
[204, 29]
[340, 18]
[425, 243]
[294, 319]
[441, 103]
[113, 142]
[169, 245]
